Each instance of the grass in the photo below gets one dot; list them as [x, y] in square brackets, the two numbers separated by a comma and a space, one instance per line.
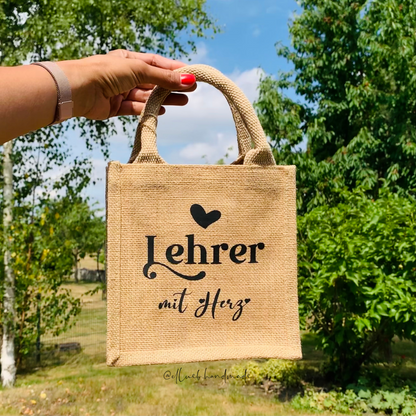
[84, 385]
[89, 263]
[90, 327]
[87, 386]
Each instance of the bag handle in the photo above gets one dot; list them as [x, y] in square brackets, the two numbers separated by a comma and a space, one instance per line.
[145, 148]
[243, 137]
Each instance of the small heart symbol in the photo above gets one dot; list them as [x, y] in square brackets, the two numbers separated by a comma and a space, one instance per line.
[247, 300]
[202, 218]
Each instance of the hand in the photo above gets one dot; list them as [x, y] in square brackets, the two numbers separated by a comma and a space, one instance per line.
[120, 82]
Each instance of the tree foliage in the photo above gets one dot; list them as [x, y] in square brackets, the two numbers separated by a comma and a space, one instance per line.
[357, 286]
[41, 265]
[51, 222]
[44, 243]
[355, 70]
[352, 135]
[83, 231]
[70, 29]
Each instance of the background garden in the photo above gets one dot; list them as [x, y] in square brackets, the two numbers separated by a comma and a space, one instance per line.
[345, 115]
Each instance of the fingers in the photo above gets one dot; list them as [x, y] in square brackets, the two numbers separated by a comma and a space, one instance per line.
[148, 74]
[157, 60]
[142, 96]
[149, 58]
[151, 86]
[168, 79]
[145, 70]
[125, 79]
[134, 108]
[193, 88]
[135, 102]
[176, 99]
[115, 104]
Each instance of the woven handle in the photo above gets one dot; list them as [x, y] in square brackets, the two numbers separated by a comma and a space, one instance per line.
[243, 137]
[145, 148]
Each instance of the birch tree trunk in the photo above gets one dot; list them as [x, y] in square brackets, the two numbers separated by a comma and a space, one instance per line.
[76, 266]
[8, 366]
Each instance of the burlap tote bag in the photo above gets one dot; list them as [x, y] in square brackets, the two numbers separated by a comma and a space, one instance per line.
[201, 260]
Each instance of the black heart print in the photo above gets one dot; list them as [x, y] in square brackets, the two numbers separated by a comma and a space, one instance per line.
[202, 218]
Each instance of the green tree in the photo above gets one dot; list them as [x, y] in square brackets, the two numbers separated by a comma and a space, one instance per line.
[83, 231]
[357, 286]
[355, 71]
[47, 30]
[353, 127]
[44, 245]
[42, 263]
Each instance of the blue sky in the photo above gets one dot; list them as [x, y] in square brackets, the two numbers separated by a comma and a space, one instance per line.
[250, 31]
[203, 131]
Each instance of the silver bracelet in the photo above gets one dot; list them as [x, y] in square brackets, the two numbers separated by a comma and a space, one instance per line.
[65, 104]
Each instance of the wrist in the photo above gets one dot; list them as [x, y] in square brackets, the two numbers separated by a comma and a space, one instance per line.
[81, 82]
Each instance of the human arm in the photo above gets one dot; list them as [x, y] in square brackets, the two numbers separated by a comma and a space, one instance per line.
[102, 86]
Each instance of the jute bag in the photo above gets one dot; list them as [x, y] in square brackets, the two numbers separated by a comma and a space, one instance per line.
[201, 260]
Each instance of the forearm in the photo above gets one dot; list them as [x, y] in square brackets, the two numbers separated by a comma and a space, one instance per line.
[102, 86]
[28, 100]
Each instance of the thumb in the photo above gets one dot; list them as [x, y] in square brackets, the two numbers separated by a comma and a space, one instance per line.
[165, 78]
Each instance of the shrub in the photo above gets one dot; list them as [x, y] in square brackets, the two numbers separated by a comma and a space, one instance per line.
[253, 372]
[282, 371]
[389, 402]
[285, 372]
[357, 277]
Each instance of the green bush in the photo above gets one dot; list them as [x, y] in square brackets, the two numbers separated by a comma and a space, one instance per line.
[389, 402]
[375, 392]
[252, 370]
[282, 371]
[357, 278]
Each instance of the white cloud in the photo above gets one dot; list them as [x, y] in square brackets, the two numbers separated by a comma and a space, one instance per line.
[200, 57]
[256, 32]
[204, 127]
[223, 147]
[97, 192]
[248, 81]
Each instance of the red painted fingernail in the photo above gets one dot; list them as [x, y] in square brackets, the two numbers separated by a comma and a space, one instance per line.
[188, 79]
